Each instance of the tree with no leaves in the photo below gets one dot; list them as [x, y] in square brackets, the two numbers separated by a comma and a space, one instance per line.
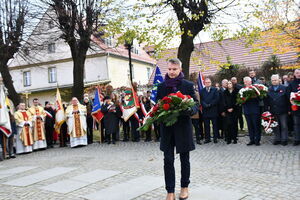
[13, 14]
[79, 20]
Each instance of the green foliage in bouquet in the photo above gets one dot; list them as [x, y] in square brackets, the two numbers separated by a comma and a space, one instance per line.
[167, 110]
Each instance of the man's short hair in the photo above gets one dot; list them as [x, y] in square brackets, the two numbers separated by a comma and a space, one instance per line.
[275, 76]
[35, 99]
[175, 61]
[247, 78]
[207, 79]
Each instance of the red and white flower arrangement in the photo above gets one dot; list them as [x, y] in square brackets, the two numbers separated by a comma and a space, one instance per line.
[251, 92]
[268, 122]
[167, 110]
[295, 100]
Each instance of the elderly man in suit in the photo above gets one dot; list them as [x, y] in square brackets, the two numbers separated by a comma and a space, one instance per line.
[252, 113]
[278, 104]
[210, 98]
[179, 135]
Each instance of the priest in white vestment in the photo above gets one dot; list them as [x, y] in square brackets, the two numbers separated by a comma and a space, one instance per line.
[38, 117]
[76, 120]
[24, 138]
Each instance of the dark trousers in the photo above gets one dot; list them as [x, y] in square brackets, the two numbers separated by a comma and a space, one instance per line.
[281, 131]
[231, 127]
[134, 123]
[296, 128]
[169, 169]
[63, 135]
[240, 118]
[157, 131]
[207, 128]
[49, 136]
[89, 129]
[253, 122]
[148, 135]
[196, 124]
[126, 129]
[110, 137]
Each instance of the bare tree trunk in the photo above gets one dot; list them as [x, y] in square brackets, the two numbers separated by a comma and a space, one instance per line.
[78, 76]
[185, 50]
[8, 83]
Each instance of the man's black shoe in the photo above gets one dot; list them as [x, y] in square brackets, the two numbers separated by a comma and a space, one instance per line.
[284, 143]
[250, 143]
[296, 143]
[207, 141]
[276, 142]
[257, 143]
[215, 141]
[198, 142]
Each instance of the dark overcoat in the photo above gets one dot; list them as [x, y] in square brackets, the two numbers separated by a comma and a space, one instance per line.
[182, 130]
[111, 118]
[210, 102]
[278, 101]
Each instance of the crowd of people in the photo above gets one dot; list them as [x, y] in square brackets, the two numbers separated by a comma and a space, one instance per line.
[33, 128]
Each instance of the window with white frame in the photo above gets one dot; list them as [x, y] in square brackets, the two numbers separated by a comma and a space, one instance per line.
[135, 50]
[51, 48]
[26, 78]
[52, 77]
[109, 41]
[148, 72]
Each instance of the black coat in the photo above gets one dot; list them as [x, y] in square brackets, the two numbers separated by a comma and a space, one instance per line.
[50, 121]
[111, 118]
[294, 86]
[182, 130]
[278, 101]
[230, 102]
[210, 102]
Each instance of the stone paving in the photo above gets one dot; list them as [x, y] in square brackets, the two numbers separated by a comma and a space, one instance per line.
[266, 172]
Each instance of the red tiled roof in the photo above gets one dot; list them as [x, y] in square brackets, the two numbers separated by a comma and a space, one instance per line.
[122, 51]
[208, 56]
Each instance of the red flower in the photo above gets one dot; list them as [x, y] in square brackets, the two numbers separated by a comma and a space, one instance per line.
[167, 99]
[180, 95]
[189, 97]
[166, 106]
[294, 107]
[151, 114]
[155, 108]
[243, 98]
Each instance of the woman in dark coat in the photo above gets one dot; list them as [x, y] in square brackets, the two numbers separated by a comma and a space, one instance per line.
[231, 110]
[180, 135]
[112, 113]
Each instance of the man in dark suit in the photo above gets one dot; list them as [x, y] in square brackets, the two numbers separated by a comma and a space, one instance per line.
[252, 113]
[278, 104]
[239, 111]
[295, 87]
[180, 135]
[209, 99]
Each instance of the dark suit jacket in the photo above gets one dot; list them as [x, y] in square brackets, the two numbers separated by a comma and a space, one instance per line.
[210, 102]
[182, 130]
[278, 101]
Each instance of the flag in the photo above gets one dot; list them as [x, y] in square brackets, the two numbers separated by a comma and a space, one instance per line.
[200, 82]
[98, 101]
[157, 79]
[5, 126]
[60, 112]
[131, 103]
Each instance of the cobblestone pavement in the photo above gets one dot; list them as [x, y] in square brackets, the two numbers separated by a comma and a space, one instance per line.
[264, 172]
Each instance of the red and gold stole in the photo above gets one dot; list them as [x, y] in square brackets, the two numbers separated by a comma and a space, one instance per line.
[38, 124]
[27, 137]
[77, 121]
